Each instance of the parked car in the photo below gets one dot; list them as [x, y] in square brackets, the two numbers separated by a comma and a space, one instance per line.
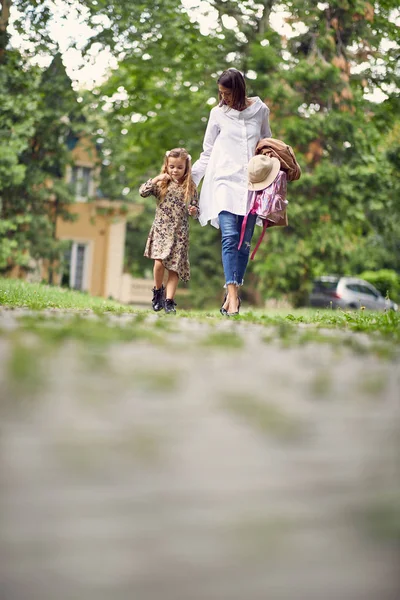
[348, 292]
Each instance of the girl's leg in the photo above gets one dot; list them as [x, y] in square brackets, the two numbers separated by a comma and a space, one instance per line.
[230, 234]
[158, 273]
[172, 284]
[244, 252]
[158, 290]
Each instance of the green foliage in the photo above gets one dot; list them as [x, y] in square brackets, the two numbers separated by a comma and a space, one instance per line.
[386, 281]
[32, 188]
[138, 228]
[207, 278]
[156, 98]
[18, 100]
[316, 106]
[7, 245]
[344, 215]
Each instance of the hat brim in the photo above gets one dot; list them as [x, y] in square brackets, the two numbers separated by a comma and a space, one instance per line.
[261, 185]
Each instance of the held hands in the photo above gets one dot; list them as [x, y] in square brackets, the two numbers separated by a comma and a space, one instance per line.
[192, 210]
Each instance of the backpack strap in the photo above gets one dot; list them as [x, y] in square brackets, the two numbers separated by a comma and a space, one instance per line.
[260, 239]
[243, 229]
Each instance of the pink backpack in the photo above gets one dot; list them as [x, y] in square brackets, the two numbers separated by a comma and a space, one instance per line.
[269, 205]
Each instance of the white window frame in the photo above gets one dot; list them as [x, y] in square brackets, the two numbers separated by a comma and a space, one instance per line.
[86, 263]
[79, 179]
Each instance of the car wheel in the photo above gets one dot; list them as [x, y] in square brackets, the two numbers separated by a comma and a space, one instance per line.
[352, 306]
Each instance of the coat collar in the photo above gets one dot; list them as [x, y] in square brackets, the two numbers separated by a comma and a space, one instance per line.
[247, 113]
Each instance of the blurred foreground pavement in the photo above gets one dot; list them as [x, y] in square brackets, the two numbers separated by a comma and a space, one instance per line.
[195, 461]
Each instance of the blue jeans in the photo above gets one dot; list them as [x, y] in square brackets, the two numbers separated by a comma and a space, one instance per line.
[235, 261]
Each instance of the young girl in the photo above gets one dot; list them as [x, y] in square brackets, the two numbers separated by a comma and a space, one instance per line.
[168, 241]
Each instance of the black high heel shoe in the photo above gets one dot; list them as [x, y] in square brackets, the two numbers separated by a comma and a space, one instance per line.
[223, 310]
[234, 314]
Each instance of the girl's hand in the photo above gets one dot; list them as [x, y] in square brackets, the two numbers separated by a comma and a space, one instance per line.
[192, 211]
[162, 177]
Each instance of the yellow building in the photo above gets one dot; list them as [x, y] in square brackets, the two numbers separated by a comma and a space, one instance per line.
[95, 257]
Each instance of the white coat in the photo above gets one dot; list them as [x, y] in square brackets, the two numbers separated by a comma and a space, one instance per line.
[229, 142]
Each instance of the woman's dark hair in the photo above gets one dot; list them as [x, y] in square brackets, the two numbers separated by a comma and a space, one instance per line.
[234, 80]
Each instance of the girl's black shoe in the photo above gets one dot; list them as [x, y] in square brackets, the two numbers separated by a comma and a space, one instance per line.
[170, 306]
[158, 298]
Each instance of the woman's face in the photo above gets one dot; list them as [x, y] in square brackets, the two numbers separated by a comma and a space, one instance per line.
[176, 168]
[226, 95]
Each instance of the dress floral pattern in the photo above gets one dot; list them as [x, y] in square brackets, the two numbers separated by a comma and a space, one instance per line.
[168, 238]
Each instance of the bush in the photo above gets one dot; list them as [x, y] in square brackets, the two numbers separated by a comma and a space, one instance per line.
[386, 281]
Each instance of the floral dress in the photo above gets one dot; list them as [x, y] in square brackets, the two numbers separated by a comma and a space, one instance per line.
[168, 238]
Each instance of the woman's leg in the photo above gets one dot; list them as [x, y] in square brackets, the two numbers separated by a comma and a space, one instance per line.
[172, 284]
[158, 273]
[232, 301]
[230, 234]
[244, 252]
[228, 223]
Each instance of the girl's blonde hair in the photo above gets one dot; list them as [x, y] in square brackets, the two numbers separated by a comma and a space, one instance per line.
[188, 183]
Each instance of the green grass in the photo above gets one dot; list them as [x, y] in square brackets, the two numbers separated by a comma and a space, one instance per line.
[25, 373]
[384, 323]
[15, 293]
[381, 517]
[297, 326]
[268, 419]
[94, 332]
[223, 339]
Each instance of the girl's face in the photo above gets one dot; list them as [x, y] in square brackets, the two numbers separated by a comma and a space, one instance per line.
[176, 168]
[226, 95]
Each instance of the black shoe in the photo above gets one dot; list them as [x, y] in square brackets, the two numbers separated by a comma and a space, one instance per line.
[223, 310]
[158, 298]
[170, 306]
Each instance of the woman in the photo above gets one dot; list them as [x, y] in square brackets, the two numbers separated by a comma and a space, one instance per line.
[233, 130]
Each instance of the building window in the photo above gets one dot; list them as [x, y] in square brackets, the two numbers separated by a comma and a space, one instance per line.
[80, 255]
[75, 266]
[81, 178]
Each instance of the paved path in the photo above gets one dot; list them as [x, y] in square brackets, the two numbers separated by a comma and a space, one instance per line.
[189, 471]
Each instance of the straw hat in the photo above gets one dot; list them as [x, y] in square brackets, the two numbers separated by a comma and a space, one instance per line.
[262, 171]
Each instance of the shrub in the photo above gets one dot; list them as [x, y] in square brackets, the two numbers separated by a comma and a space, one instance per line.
[386, 281]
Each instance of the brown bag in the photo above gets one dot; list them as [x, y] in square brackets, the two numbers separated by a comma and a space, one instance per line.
[284, 153]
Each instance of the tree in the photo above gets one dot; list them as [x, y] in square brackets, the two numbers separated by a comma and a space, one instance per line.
[316, 83]
[33, 192]
[18, 89]
[316, 95]
[157, 98]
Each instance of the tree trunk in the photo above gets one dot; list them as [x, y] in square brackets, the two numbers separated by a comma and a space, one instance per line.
[4, 19]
